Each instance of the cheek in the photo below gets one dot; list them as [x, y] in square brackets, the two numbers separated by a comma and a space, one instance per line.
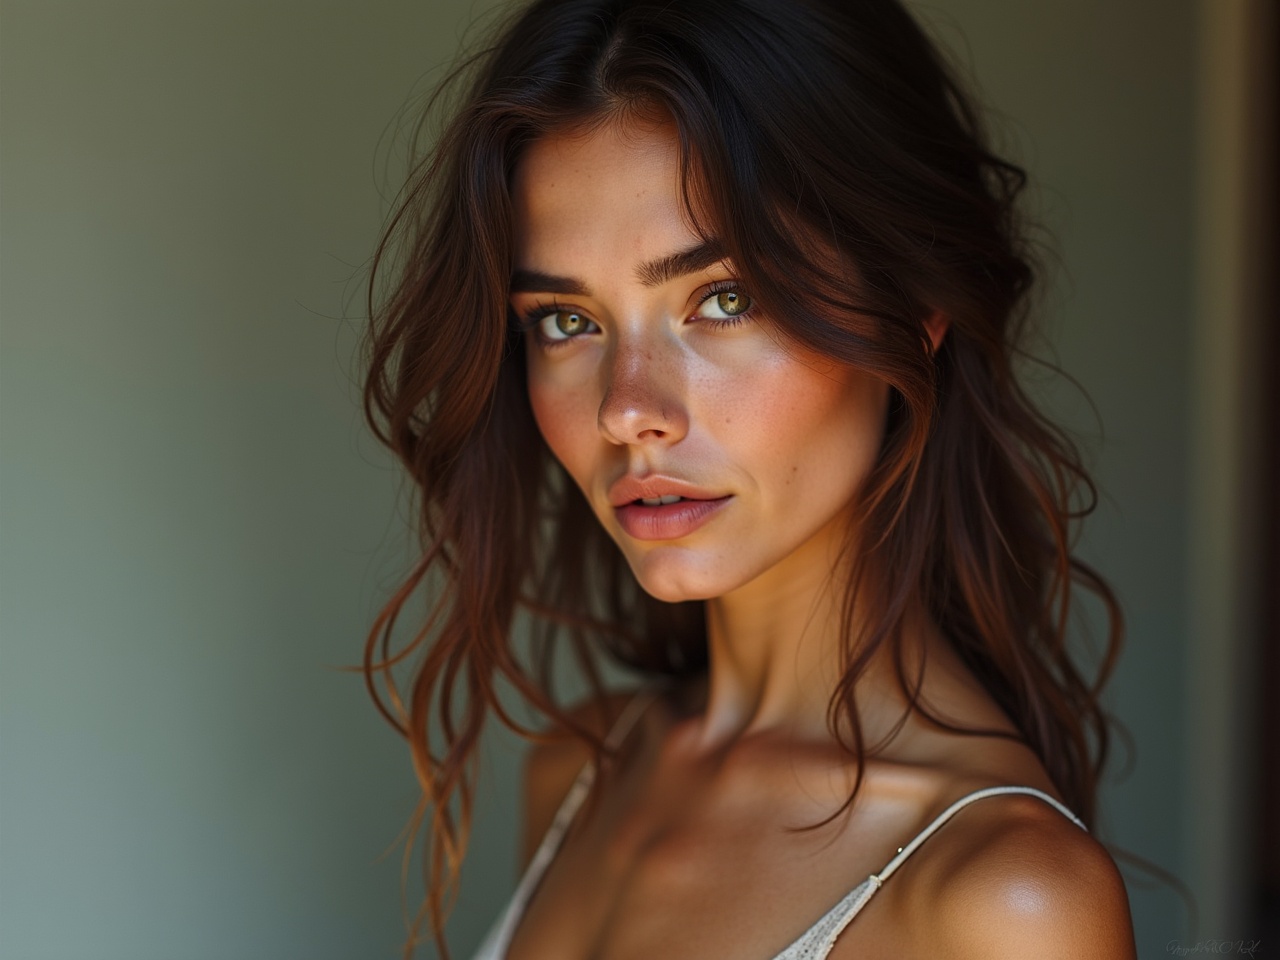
[565, 417]
[811, 436]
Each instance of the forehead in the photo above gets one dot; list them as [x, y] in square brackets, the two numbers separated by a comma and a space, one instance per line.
[613, 191]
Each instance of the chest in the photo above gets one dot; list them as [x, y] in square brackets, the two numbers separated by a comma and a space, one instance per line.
[701, 872]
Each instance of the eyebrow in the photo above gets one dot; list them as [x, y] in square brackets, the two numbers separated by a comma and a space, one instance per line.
[652, 274]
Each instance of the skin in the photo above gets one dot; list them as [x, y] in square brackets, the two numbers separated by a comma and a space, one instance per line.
[686, 853]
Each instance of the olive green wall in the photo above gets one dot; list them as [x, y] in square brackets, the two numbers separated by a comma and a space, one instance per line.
[1098, 98]
[195, 528]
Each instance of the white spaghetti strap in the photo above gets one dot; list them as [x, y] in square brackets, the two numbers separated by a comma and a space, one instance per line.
[495, 944]
[857, 898]
[628, 717]
[586, 776]
[948, 813]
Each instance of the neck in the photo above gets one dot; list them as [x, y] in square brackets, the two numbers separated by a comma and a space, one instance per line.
[774, 648]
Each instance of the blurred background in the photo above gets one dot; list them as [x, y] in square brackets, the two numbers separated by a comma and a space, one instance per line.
[196, 529]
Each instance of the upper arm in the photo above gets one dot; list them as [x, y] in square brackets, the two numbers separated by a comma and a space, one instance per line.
[1032, 886]
[550, 769]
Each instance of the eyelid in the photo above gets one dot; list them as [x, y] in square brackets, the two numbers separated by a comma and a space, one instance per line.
[716, 287]
[531, 319]
[721, 286]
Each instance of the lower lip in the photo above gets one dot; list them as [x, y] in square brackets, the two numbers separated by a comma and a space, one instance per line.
[668, 521]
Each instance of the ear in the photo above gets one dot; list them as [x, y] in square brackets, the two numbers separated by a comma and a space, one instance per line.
[936, 325]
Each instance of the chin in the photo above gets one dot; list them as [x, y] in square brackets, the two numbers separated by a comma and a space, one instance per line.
[676, 575]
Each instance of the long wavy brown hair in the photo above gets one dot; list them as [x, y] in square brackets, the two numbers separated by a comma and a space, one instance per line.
[831, 150]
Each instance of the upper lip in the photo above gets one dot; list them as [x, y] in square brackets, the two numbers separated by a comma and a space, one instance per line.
[628, 489]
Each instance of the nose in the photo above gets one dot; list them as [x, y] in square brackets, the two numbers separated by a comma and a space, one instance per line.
[643, 401]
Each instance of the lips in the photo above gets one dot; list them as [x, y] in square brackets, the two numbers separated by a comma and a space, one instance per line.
[633, 489]
[674, 508]
[668, 521]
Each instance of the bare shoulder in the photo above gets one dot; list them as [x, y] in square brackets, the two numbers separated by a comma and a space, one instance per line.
[1018, 879]
[550, 767]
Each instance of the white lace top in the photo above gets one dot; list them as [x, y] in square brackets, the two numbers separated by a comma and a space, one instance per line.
[814, 944]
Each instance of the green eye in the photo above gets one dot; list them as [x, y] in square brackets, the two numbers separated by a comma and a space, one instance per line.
[732, 302]
[569, 323]
[554, 325]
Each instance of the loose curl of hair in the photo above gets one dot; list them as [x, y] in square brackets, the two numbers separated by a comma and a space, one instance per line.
[829, 148]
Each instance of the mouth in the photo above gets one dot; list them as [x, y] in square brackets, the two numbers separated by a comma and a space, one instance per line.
[661, 501]
[667, 517]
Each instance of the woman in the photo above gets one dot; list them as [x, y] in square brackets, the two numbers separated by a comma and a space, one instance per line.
[700, 352]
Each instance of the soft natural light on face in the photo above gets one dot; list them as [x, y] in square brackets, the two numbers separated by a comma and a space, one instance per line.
[647, 360]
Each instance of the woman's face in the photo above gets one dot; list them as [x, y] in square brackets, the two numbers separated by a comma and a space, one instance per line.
[648, 366]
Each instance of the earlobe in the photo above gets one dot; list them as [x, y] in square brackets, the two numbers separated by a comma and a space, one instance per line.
[935, 326]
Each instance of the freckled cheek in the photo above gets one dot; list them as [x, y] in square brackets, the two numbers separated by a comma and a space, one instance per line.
[803, 434]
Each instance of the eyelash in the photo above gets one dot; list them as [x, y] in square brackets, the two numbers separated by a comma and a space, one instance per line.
[531, 319]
